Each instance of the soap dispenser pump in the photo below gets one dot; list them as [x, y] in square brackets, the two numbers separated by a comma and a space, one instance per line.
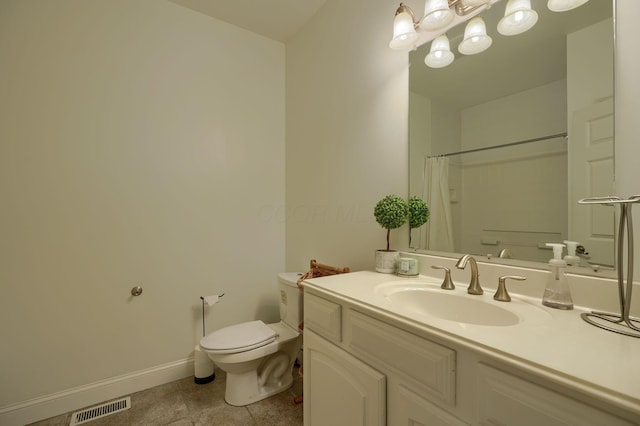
[571, 258]
[557, 294]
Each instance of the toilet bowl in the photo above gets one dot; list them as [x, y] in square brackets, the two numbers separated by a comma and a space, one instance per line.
[257, 357]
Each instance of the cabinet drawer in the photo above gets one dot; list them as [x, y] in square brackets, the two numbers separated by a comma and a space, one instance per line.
[323, 316]
[504, 399]
[427, 366]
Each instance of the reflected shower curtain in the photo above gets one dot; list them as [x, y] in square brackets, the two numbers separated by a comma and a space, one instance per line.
[435, 191]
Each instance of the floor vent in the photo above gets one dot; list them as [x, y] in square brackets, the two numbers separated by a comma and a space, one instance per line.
[101, 410]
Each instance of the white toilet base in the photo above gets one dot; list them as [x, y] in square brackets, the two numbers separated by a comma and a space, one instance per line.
[261, 372]
[244, 388]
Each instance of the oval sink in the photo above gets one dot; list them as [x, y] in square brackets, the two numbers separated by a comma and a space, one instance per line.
[428, 299]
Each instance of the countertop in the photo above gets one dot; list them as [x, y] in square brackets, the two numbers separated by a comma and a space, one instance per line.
[555, 344]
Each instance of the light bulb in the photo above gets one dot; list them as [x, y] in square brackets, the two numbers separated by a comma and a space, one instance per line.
[476, 39]
[437, 15]
[518, 18]
[404, 32]
[439, 55]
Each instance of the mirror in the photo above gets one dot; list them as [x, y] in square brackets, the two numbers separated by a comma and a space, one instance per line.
[487, 143]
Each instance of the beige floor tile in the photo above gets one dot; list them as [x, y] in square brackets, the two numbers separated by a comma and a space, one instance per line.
[183, 403]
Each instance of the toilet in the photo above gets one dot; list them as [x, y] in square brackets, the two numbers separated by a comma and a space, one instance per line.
[257, 357]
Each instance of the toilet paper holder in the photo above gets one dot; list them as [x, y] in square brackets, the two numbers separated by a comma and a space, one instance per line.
[203, 303]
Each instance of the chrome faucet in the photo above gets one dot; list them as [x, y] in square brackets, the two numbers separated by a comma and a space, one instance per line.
[474, 285]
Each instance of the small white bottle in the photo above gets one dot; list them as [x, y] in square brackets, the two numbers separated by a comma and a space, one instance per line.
[557, 293]
[571, 258]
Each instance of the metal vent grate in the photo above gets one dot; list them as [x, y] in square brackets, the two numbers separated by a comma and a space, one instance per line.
[101, 410]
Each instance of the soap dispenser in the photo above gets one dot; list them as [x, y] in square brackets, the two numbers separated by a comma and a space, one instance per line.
[571, 258]
[557, 294]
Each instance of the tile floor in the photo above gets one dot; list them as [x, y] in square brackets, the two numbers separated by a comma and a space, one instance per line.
[183, 403]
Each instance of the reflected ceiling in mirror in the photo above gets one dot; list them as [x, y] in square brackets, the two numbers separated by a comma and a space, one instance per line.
[522, 88]
[511, 64]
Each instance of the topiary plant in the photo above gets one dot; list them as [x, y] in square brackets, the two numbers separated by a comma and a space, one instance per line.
[391, 212]
[418, 214]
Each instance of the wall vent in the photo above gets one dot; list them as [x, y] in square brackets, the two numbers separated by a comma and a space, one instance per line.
[101, 410]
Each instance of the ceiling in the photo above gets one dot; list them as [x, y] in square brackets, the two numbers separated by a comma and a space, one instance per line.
[275, 19]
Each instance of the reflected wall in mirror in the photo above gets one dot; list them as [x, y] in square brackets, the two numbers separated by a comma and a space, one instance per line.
[555, 79]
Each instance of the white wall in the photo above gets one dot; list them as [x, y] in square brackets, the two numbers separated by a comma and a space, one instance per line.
[420, 141]
[141, 143]
[434, 128]
[520, 189]
[347, 109]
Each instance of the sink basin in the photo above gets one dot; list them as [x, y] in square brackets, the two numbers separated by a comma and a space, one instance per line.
[424, 298]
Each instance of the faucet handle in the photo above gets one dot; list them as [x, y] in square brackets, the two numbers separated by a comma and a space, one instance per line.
[501, 294]
[447, 284]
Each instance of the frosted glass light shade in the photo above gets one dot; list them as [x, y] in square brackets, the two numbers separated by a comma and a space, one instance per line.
[518, 18]
[404, 33]
[436, 15]
[476, 39]
[564, 5]
[440, 54]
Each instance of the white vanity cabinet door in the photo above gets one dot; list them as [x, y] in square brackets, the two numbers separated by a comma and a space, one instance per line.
[406, 407]
[504, 399]
[339, 389]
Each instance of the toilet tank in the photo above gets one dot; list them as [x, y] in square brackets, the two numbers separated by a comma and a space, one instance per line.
[290, 299]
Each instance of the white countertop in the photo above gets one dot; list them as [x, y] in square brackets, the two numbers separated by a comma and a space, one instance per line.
[558, 345]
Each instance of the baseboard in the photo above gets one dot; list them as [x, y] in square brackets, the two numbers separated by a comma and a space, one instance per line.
[58, 403]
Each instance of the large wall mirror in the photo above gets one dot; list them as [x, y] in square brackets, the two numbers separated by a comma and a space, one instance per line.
[505, 142]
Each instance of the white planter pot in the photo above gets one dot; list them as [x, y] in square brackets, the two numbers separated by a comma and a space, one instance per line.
[386, 261]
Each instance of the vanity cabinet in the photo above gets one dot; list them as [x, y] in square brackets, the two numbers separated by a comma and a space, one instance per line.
[348, 391]
[506, 399]
[366, 367]
[353, 374]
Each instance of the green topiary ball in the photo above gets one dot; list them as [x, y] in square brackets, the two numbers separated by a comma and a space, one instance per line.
[418, 212]
[391, 212]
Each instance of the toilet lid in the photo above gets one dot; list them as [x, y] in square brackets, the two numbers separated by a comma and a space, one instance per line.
[239, 337]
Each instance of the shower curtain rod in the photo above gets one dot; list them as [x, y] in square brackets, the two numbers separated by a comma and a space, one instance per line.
[543, 138]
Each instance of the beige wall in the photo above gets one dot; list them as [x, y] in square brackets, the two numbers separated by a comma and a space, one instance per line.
[347, 106]
[141, 143]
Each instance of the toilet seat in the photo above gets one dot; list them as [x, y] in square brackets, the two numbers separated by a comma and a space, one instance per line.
[239, 337]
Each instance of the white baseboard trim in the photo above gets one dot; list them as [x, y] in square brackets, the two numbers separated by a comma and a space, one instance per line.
[58, 403]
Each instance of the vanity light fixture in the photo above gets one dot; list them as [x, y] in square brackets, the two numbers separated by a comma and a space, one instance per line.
[475, 39]
[404, 32]
[473, 3]
[518, 18]
[440, 54]
[436, 15]
[440, 15]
